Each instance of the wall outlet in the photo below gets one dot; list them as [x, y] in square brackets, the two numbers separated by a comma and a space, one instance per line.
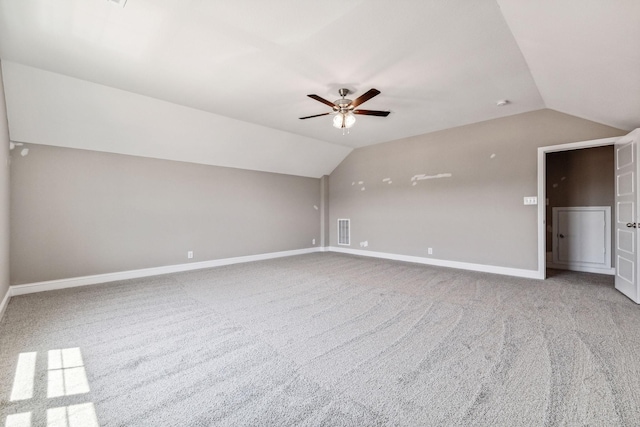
[313, 242]
[190, 254]
[430, 251]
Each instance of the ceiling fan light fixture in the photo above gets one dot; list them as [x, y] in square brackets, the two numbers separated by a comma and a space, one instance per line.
[344, 120]
[338, 121]
[349, 119]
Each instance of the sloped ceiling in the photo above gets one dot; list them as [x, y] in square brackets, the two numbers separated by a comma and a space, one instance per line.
[584, 56]
[439, 64]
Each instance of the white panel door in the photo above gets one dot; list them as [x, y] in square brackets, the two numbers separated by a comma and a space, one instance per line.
[581, 236]
[626, 247]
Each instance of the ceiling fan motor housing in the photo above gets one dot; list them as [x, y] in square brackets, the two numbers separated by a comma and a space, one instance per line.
[343, 103]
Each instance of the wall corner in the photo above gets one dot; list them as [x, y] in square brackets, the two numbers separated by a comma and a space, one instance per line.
[324, 211]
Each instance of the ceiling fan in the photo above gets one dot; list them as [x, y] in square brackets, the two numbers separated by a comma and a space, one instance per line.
[345, 109]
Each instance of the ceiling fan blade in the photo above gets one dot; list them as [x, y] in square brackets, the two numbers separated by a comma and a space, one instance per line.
[324, 101]
[365, 97]
[372, 113]
[316, 115]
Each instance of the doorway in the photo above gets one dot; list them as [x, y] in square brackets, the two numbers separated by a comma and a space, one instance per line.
[542, 191]
[580, 196]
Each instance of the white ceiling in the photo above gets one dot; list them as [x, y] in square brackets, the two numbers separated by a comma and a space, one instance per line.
[438, 64]
[584, 55]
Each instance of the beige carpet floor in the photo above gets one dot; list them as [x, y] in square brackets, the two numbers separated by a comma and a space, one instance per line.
[324, 340]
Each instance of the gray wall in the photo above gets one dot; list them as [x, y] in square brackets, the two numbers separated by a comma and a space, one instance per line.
[476, 215]
[324, 211]
[580, 178]
[4, 195]
[77, 212]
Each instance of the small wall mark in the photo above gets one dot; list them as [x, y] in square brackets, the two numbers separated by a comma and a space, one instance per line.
[360, 183]
[492, 156]
[364, 244]
[423, 176]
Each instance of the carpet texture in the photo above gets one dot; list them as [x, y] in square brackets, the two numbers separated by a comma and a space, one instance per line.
[324, 340]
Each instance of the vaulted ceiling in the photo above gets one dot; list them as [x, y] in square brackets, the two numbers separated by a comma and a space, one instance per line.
[438, 64]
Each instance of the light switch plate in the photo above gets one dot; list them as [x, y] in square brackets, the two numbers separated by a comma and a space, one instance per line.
[530, 200]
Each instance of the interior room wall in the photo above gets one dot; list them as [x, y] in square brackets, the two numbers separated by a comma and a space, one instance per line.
[77, 212]
[458, 191]
[53, 109]
[579, 178]
[4, 196]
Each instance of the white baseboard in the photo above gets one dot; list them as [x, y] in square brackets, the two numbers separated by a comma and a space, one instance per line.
[5, 302]
[506, 271]
[585, 269]
[51, 285]
[575, 267]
